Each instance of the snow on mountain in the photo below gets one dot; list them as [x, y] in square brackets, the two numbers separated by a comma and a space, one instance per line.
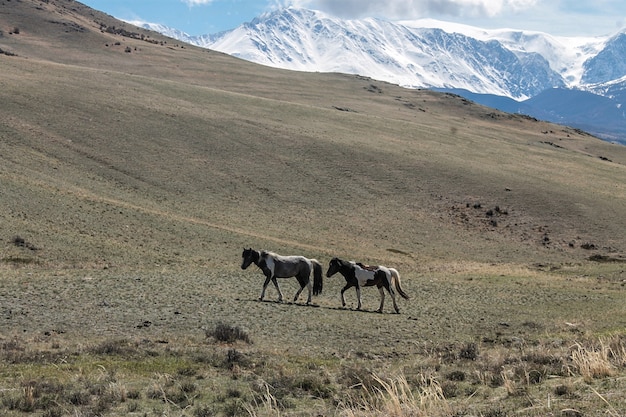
[422, 53]
[427, 53]
[566, 55]
[307, 40]
[609, 63]
[164, 30]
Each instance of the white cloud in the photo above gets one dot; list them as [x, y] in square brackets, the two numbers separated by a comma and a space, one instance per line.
[410, 9]
[558, 17]
[191, 3]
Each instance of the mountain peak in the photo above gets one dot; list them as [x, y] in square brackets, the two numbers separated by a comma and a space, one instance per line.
[517, 64]
[411, 56]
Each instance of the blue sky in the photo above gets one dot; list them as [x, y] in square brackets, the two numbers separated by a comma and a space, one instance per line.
[557, 17]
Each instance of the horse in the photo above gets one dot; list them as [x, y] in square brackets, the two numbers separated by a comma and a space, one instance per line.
[278, 266]
[359, 275]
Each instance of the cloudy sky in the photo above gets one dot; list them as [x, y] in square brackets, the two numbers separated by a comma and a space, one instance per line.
[557, 17]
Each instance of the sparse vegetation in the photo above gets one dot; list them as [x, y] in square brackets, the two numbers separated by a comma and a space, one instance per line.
[171, 367]
[129, 187]
[7, 53]
[229, 334]
[21, 242]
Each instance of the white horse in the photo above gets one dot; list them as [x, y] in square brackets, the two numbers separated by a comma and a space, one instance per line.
[277, 266]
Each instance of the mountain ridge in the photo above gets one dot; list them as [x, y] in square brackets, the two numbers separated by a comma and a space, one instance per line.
[417, 54]
[312, 32]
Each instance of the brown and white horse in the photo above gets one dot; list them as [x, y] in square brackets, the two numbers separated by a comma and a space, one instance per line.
[358, 275]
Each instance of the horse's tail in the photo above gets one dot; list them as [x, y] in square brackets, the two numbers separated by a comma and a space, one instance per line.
[395, 280]
[317, 277]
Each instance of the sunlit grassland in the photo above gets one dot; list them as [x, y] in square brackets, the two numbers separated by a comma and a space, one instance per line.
[130, 183]
[473, 339]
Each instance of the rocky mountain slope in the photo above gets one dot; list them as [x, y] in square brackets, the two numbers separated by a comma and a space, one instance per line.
[432, 54]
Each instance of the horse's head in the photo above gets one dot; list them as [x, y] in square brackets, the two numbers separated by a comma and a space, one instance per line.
[248, 256]
[333, 267]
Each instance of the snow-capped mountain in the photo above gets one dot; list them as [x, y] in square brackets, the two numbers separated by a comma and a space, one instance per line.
[301, 39]
[431, 54]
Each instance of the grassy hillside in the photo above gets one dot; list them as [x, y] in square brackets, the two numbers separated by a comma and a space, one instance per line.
[134, 169]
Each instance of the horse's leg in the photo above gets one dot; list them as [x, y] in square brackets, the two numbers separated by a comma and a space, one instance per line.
[382, 299]
[304, 281]
[265, 284]
[280, 293]
[389, 285]
[393, 298]
[358, 296]
[308, 300]
[310, 288]
[295, 298]
[343, 298]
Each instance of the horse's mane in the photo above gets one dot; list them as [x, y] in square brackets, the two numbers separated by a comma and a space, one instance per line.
[367, 267]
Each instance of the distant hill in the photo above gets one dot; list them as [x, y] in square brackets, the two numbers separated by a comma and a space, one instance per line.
[432, 54]
[123, 148]
[592, 113]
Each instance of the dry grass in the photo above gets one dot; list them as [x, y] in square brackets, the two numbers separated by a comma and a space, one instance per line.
[601, 360]
[179, 379]
[124, 212]
[395, 397]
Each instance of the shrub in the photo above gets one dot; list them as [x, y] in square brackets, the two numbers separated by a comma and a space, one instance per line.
[22, 243]
[113, 347]
[456, 376]
[229, 334]
[469, 351]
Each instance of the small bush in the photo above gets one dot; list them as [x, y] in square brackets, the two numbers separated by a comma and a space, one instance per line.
[7, 53]
[561, 390]
[449, 389]
[469, 351]
[203, 411]
[234, 356]
[113, 347]
[456, 376]
[229, 334]
[22, 243]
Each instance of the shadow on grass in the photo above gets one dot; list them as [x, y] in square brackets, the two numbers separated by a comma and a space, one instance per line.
[301, 304]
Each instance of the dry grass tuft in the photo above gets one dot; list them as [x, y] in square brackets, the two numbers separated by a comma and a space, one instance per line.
[395, 397]
[266, 405]
[601, 359]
